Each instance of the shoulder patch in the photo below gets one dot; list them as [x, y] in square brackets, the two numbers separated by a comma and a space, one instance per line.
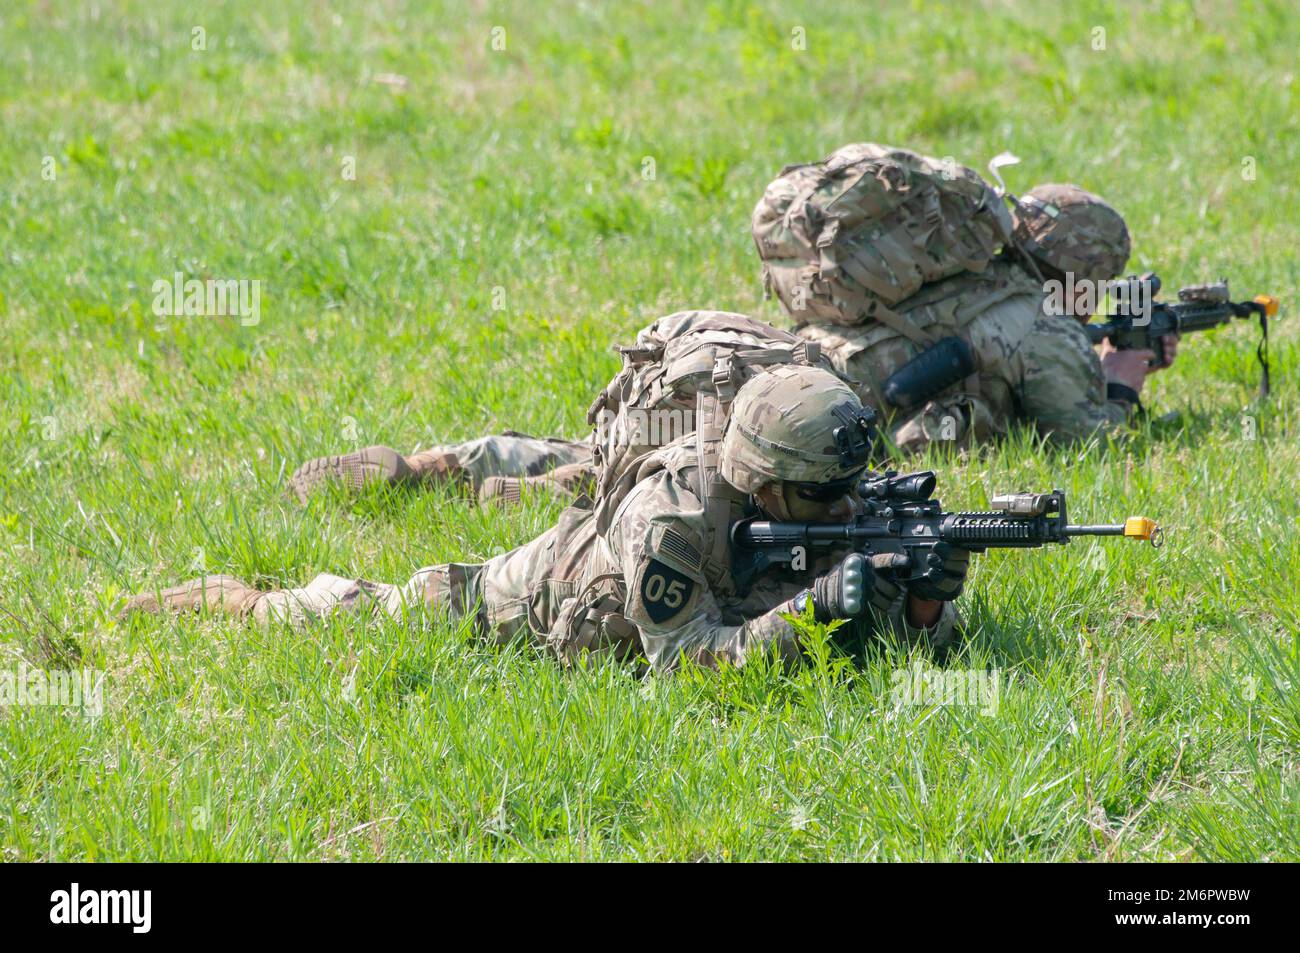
[665, 591]
[673, 545]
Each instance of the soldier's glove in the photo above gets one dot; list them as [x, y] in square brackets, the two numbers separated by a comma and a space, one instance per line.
[847, 590]
[941, 573]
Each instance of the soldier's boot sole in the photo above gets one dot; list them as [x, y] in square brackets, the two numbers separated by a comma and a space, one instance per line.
[352, 470]
[507, 490]
[215, 593]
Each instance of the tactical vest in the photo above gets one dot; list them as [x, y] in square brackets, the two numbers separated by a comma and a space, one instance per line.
[594, 595]
[722, 505]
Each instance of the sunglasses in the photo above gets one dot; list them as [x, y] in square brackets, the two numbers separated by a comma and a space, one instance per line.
[826, 492]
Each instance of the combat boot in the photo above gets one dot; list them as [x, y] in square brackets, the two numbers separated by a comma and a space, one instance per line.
[571, 479]
[224, 594]
[354, 470]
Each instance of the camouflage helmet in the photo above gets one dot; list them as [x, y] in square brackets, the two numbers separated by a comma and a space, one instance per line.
[1072, 231]
[795, 423]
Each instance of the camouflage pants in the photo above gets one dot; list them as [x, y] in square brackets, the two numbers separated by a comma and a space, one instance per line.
[958, 421]
[509, 455]
[520, 593]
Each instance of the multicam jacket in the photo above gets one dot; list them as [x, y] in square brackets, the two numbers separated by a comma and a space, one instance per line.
[1031, 366]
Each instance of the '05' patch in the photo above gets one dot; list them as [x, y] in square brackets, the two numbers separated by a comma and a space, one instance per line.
[665, 591]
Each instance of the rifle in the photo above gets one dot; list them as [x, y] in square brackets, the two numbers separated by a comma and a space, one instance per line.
[1199, 308]
[902, 523]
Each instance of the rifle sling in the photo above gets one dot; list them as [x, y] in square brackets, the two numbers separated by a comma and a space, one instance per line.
[1261, 353]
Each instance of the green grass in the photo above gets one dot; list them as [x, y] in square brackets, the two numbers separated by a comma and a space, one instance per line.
[1148, 705]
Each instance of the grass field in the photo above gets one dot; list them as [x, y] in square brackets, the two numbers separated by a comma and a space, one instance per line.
[448, 238]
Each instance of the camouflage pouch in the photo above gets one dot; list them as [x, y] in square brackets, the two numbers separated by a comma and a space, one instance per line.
[594, 622]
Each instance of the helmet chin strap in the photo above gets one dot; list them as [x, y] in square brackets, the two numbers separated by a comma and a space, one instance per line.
[779, 510]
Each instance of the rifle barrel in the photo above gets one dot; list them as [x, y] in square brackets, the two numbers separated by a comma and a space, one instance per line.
[1135, 527]
[1101, 529]
[1202, 317]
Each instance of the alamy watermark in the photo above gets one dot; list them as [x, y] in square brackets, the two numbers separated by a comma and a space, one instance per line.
[1082, 297]
[639, 427]
[970, 688]
[60, 688]
[133, 908]
[211, 297]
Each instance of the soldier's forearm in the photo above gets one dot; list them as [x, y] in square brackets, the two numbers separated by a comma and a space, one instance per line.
[705, 641]
[1106, 419]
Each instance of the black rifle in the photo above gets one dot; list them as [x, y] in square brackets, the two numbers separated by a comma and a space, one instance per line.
[902, 524]
[1142, 322]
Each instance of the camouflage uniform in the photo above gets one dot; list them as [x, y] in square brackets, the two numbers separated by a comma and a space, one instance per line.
[510, 454]
[479, 465]
[648, 404]
[647, 570]
[1031, 366]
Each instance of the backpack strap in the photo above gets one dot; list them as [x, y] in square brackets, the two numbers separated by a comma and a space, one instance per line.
[716, 495]
[874, 310]
[973, 309]
[730, 369]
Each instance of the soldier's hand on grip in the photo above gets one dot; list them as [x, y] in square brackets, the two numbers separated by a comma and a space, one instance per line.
[847, 590]
[838, 594]
[1126, 367]
[942, 573]
[1169, 348]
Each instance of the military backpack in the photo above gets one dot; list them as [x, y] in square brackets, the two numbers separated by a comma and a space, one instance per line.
[677, 380]
[849, 239]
